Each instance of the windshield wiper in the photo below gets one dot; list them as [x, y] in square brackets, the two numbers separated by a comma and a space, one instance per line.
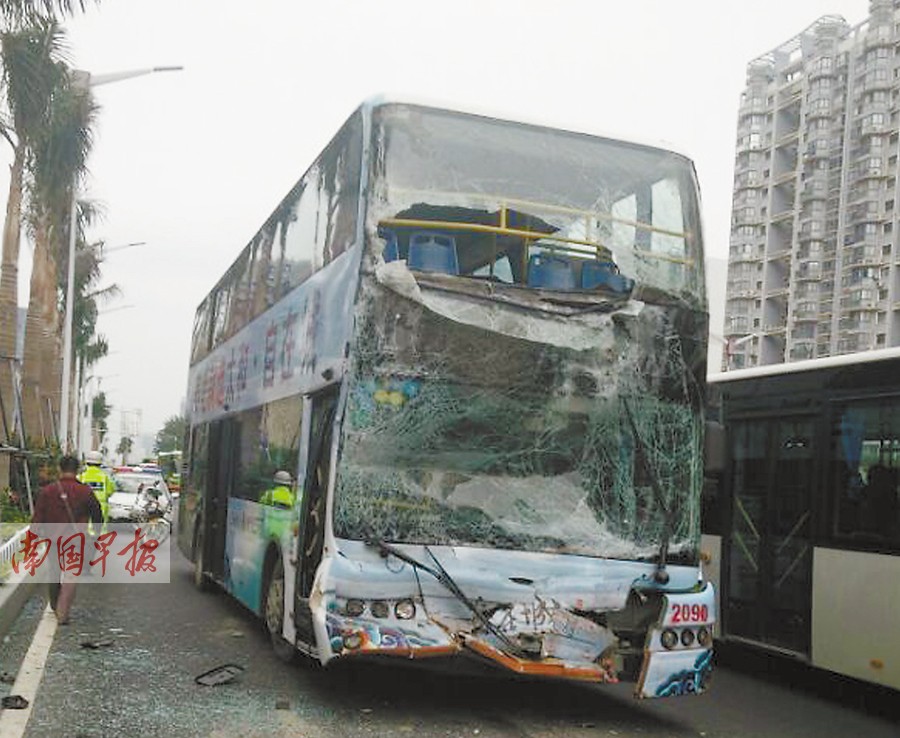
[443, 577]
[660, 575]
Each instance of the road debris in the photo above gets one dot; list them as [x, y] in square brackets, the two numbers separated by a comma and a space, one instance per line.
[14, 702]
[99, 643]
[223, 674]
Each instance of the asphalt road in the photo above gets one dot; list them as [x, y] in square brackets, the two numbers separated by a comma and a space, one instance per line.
[164, 635]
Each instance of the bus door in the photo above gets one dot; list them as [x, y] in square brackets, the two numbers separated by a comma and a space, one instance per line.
[767, 597]
[322, 407]
[224, 438]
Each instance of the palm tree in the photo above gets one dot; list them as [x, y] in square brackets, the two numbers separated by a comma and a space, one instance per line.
[22, 11]
[88, 345]
[31, 70]
[60, 154]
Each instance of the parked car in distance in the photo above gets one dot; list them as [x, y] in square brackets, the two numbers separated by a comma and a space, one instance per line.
[133, 491]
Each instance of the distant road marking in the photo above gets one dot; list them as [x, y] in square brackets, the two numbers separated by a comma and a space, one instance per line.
[14, 722]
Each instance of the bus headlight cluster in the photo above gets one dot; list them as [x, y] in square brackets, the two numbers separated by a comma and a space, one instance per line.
[355, 608]
[686, 637]
[669, 639]
[381, 609]
[405, 609]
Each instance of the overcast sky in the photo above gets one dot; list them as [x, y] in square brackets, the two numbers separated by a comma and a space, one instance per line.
[193, 162]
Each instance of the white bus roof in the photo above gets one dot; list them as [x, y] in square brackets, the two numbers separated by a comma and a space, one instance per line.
[793, 367]
[512, 117]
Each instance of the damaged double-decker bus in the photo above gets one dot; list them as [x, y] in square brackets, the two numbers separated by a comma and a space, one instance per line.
[471, 354]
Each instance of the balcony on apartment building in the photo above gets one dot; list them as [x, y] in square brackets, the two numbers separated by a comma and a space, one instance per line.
[812, 229]
[790, 93]
[745, 254]
[814, 188]
[741, 289]
[775, 329]
[866, 300]
[802, 349]
[752, 105]
[809, 271]
[880, 35]
[821, 68]
[862, 252]
[748, 179]
[855, 324]
[874, 123]
[805, 310]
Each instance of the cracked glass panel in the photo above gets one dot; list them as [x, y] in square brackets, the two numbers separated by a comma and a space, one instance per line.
[490, 408]
[507, 192]
[461, 435]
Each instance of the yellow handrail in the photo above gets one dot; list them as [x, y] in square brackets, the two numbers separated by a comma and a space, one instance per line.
[449, 225]
[506, 201]
[599, 248]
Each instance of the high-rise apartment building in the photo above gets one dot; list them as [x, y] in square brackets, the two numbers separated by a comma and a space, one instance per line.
[814, 261]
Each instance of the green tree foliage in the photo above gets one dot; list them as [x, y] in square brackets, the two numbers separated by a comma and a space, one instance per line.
[169, 438]
[100, 410]
[124, 448]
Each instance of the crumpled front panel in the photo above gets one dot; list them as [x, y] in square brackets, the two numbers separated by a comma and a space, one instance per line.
[465, 435]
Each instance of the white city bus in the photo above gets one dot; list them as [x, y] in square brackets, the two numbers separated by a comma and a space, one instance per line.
[477, 347]
[803, 525]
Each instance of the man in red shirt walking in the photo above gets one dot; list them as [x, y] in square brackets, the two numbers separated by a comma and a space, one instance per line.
[67, 501]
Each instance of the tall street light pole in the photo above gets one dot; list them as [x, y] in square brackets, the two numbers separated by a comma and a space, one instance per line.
[83, 80]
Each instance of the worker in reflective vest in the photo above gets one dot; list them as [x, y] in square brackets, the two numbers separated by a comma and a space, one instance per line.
[281, 495]
[98, 480]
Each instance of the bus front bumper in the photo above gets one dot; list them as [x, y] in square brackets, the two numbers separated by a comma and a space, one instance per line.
[675, 660]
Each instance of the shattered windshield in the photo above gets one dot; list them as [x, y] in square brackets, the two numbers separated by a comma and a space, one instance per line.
[462, 435]
[508, 195]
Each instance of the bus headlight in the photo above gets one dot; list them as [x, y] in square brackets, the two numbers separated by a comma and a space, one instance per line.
[379, 609]
[669, 639]
[687, 638]
[355, 608]
[405, 610]
[704, 638]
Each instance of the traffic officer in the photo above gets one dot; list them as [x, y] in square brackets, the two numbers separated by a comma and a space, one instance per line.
[281, 495]
[98, 480]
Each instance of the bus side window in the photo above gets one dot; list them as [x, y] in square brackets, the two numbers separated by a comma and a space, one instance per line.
[866, 473]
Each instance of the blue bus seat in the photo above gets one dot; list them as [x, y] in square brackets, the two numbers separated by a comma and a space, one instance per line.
[392, 249]
[430, 251]
[551, 272]
[605, 274]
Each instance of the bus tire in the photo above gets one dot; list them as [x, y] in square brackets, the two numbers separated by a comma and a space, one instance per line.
[273, 613]
[201, 580]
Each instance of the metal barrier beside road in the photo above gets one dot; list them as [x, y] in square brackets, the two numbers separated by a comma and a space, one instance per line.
[8, 548]
[17, 588]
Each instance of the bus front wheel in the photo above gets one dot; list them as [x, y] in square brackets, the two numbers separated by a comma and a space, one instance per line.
[274, 614]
